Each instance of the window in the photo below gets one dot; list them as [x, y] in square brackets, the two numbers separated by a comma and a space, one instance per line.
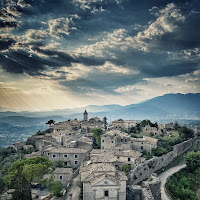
[75, 162]
[103, 141]
[141, 147]
[65, 155]
[48, 154]
[75, 156]
[112, 141]
[54, 156]
[61, 177]
[129, 159]
[106, 193]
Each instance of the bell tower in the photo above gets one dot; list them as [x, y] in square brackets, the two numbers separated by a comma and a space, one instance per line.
[85, 116]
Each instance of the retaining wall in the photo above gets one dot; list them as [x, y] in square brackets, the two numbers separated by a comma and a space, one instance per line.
[145, 169]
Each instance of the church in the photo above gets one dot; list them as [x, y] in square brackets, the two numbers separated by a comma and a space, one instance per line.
[87, 126]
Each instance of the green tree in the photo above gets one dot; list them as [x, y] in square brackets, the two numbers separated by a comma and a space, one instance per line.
[23, 172]
[145, 122]
[56, 189]
[185, 132]
[50, 122]
[193, 161]
[97, 132]
[59, 164]
[176, 125]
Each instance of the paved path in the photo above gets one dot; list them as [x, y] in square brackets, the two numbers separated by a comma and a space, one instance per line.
[74, 190]
[164, 176]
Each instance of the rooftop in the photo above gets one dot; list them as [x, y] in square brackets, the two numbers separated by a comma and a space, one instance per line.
[65, 150]
[63, 171]
[117, 133]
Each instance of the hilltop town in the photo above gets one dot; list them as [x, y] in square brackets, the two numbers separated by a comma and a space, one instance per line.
[96, 160]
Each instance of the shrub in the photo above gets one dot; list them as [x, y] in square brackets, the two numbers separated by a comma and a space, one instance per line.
[193, 161]
[159, 151]
[126, 169]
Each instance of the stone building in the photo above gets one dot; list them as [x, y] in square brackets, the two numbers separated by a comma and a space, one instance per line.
[118, 140]
[64, 175]
[80, 142]
[18, 146]
[149, 129]
[114, 140]
[89, 126]
[144, 144]
[169, 127]
[129, 124]
[120, 124]
[117, 158]
[71, 157]
[63, 129]
[85, 116]
[117, 125]
[103, 181]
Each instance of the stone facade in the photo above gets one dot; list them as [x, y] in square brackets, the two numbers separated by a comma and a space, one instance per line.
[118, 140]
[129, 124]
[169, 127]
[64, 175]
[154, 130]
[102, 181]
[122, 125]
[71, 157]
[18, 146]
[89, 126]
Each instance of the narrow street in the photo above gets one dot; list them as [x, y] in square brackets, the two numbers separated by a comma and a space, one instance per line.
[164, 176]
[74, 190]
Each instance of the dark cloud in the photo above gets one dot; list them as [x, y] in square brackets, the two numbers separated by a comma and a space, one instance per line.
[7, 26]
[6, 42]
[155, 38]
[20, 62]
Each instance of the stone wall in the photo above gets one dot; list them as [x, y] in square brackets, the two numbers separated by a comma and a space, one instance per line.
[145, 169]
[149, 190]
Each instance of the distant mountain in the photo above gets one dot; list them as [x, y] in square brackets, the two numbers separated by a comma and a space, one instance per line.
[169, 106]
[62, 112]
[16, 126]
[180, 106]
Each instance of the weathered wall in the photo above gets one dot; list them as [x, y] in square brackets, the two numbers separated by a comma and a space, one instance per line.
[149, 190]
[145, 169]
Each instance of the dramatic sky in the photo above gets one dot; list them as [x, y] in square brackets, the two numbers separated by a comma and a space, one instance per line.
[69, 53]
